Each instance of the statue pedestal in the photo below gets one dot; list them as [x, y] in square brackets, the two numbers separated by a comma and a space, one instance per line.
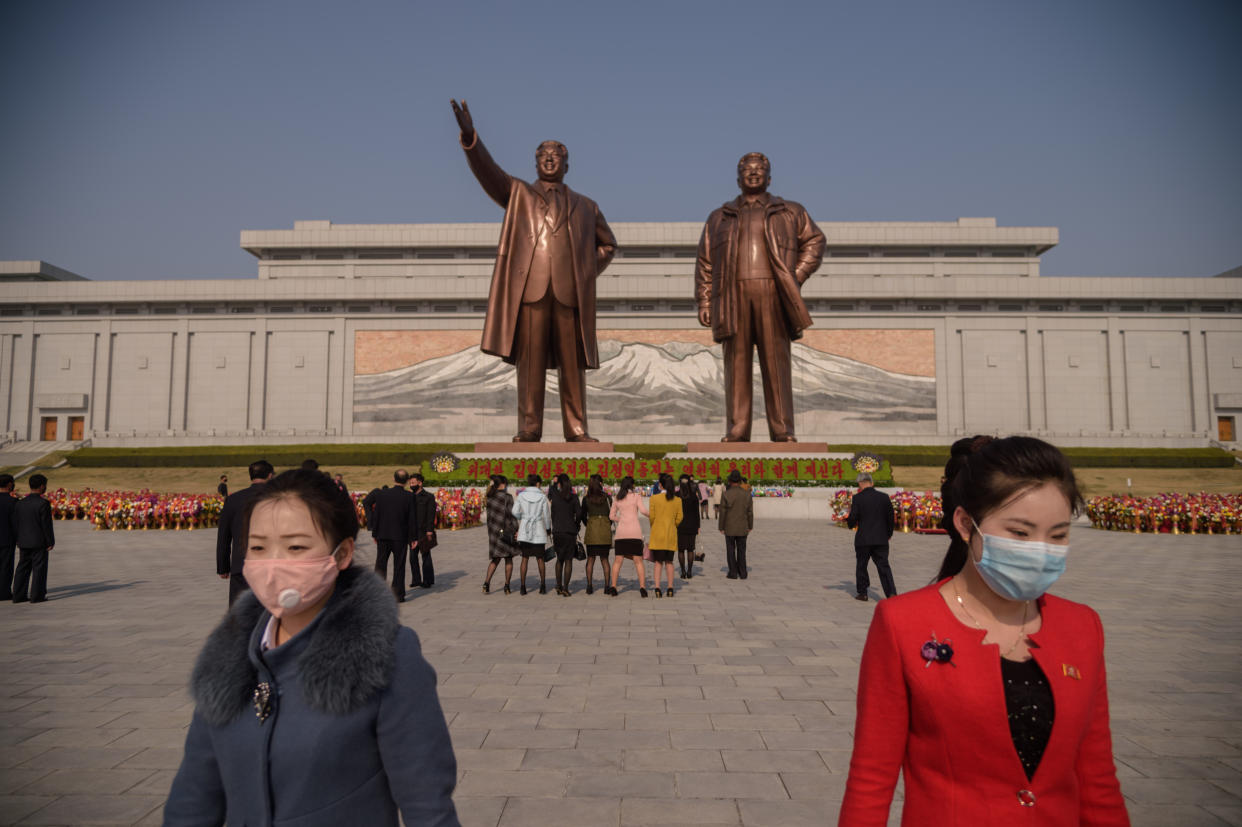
[531, 449]
[783, 449]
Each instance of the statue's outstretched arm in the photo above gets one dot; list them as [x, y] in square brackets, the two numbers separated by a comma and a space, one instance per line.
[494, 180]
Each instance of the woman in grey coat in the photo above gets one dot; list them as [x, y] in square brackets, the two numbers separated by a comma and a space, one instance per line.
[314, 705]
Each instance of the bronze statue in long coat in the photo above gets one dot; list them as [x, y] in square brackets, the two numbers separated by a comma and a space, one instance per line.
[554, 242]
[754, 255]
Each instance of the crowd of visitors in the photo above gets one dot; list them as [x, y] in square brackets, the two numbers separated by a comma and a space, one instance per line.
[587, 528]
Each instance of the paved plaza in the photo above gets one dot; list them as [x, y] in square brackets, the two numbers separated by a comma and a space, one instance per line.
[730, 704]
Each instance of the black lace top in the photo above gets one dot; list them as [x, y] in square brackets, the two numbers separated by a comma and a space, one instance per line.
[1028, 700]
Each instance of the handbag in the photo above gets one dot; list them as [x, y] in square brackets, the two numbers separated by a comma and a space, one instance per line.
[549, 554]
[508, 537]
[580, 551]
[646, 551]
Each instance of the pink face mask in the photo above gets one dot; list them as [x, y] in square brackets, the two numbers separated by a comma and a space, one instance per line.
[290, 586]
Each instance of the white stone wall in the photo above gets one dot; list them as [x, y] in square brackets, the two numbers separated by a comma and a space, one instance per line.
[1087, 380]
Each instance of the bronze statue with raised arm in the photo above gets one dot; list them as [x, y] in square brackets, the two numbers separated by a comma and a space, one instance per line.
[754, 255]
[553, 244]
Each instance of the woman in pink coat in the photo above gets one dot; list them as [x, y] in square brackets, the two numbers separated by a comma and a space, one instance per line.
[628, 538]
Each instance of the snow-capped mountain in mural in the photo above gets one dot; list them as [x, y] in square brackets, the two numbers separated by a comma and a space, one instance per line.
[659, 386]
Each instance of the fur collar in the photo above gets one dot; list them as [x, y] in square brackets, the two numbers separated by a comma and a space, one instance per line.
[347, 660]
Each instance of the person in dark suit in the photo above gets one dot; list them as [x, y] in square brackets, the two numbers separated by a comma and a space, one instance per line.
[368, 508]
[32, 523]
[871, 511]
[394, 524]
[231, 530]
[423, 538]
[8, 536]
[223, 488]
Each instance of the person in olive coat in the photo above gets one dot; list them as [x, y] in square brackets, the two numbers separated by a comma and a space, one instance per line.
[593, 513]
[737, 518]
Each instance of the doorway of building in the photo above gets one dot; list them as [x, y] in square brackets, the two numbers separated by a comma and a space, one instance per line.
[1225, 431]
[49, 429]
[77, 428]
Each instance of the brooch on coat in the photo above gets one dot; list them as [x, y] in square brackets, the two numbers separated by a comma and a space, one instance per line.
[263, 701]
[937, 651]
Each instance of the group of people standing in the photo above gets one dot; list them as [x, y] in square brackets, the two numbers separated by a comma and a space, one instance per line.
[25, 528]
[524, 525]
[403, 521]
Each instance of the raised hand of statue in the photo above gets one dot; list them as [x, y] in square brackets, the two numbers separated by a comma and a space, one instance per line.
[464, 121]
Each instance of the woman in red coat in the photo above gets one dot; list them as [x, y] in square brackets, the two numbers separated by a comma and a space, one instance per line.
[989, 694]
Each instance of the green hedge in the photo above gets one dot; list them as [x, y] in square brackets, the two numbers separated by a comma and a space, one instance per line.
[935, 455]
[281, 456]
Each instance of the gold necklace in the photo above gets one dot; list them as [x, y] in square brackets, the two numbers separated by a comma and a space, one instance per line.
[1026, 606]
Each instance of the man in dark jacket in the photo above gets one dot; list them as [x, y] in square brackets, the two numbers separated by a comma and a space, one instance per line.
[231, 531]
[737, 518]
[394, 525]
[32, 523]
[8, 536]
[871, 511]
[423, 536]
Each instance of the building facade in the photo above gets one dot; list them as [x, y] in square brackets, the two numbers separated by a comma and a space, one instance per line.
[923, 332]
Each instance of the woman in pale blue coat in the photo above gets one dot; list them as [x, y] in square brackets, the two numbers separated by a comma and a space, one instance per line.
[534, 514]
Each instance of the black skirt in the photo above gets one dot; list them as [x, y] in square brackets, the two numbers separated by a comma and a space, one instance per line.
[685, 542]
[661, 555]
[532, 549]
[598, 551]
[628, 548]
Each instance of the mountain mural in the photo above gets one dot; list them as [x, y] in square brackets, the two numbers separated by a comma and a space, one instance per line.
[642, 388]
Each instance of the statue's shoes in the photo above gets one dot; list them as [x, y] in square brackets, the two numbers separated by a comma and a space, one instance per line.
[733, 439]
[582, 438]
[525, 436]
[785, 438]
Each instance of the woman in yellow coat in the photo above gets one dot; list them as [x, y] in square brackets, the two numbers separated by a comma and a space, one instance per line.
[665, 516]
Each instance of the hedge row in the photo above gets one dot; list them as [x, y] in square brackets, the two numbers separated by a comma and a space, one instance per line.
[392, 454]
[936, 455]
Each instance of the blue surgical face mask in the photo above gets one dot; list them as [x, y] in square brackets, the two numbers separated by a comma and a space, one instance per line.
[1019, 569]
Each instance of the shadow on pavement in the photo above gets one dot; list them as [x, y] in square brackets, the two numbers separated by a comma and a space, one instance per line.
[79, 589]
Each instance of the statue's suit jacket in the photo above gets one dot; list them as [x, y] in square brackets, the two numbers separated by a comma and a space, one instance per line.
[590, 238]
[795, 249]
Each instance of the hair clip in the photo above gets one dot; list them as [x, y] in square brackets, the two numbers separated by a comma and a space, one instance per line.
[937, 651]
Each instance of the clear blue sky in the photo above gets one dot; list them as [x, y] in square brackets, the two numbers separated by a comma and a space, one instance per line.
[141, 136]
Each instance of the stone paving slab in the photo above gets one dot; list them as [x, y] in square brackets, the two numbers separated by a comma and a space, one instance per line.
[731, 703]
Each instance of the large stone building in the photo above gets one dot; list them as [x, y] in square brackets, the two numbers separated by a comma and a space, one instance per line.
[923, 331]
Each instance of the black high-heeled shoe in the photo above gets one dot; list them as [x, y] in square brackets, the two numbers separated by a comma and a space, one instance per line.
[658, 594]
[523, 589]
[589, 589]
[642, 592]
[670, 592]
[487, 587]
[543, 588]
[506, 588]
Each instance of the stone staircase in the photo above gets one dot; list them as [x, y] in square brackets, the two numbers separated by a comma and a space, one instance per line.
[24, 453]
